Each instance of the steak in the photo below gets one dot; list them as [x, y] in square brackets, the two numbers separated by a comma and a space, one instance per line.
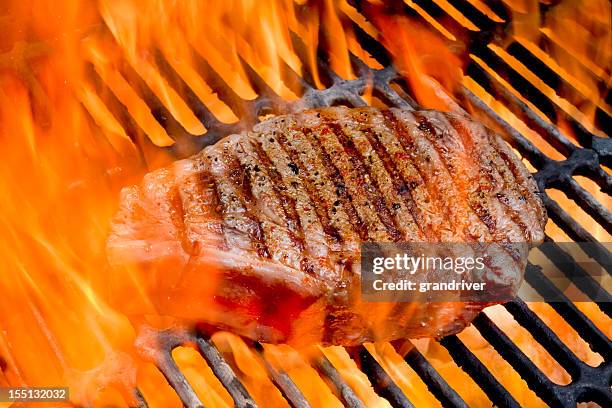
[260, 233]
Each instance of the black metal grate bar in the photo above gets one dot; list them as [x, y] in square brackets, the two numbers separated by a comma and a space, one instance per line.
[465, 359]
[381, 381]
[574, 230]
[531, 93]
[177, 380]
[523, 111]
[224, 373]
[434, 381]
[346, 393]
[597, 340]
[139, 400]
[538, 329]
[551, 393]
[167, 341]
[589, 204]
[534, 378]
[578, 276]
[283, 382]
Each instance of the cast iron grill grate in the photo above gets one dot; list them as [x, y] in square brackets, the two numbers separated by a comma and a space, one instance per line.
[586, 159]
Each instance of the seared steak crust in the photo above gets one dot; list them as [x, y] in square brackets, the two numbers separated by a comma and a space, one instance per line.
[281, 211]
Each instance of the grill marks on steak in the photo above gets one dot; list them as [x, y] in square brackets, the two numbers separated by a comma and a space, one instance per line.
[196, 193]
[383, 168]
[505, 188]
[296, 191]
[361, 187]
[289, 203]
[448, 215]
[243, 229]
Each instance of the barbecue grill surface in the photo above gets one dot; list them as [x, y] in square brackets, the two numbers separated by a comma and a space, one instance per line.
[588, 383]
[586, 158]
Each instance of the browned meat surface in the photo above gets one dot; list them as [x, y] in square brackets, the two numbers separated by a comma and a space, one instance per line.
[271, 221]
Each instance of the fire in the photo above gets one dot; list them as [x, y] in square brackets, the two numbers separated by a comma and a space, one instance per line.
[68, 68]
[54, 217]
[578, 38]
[423, 58]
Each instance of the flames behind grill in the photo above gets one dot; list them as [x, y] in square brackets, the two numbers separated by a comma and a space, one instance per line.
[90, 95]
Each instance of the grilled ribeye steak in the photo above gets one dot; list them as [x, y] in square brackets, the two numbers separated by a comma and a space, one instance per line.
[272, 220]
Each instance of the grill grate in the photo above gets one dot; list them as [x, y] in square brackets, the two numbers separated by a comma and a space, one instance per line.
[588, 383]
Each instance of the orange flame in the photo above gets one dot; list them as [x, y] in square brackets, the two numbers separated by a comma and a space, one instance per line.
[58, 180]
[423, 58]
[68, 153]
[578, 43]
